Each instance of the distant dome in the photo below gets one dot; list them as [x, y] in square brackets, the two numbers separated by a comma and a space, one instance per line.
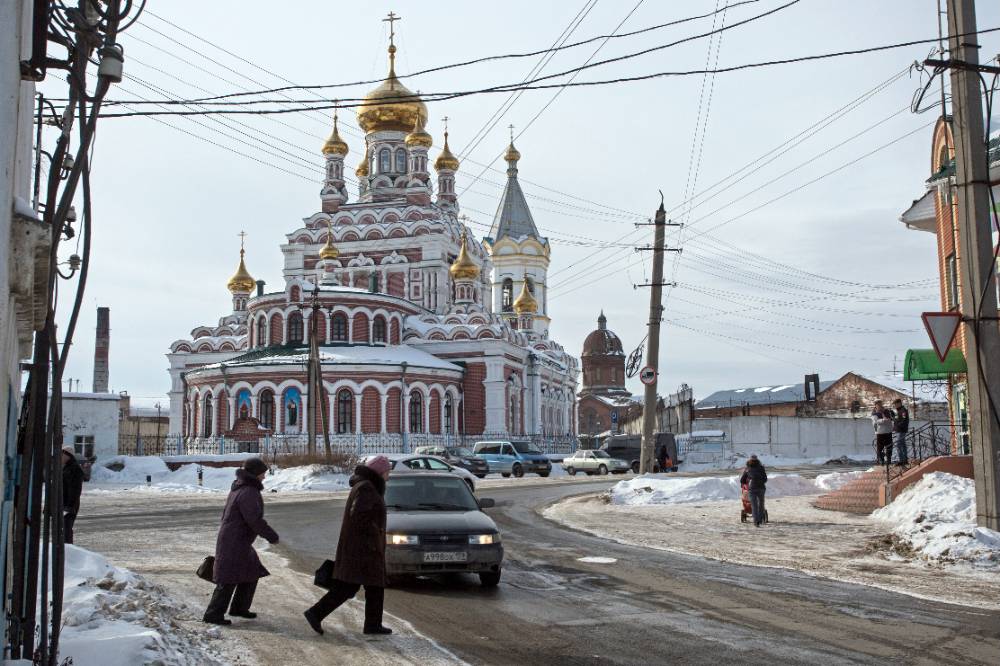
[602, 342]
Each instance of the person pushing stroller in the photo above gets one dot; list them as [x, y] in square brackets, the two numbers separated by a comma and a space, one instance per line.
[754, 478]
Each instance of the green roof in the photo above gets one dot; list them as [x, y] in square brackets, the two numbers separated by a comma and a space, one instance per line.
[924, 364]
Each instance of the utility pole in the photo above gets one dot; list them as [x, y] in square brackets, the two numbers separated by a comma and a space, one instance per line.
[660, 225]
[317, 392]
[979, 305]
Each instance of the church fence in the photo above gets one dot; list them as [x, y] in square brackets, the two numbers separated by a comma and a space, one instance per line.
[361, 444]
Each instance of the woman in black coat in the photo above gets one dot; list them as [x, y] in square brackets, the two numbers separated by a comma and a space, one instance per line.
[237, 567]
[755, 477]
[360, 549]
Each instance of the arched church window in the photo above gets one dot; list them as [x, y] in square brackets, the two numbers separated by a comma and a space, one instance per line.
[206, 428]
[295, 328]
[507, 295]
[339, 327]
[416, 412]
[400, 160]
[345, 411]
[384, 160]
[267, 409]
[378, 329]
[261, 332]
[448, 408]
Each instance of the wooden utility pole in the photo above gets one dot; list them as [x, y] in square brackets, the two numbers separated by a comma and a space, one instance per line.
[978, 284]
[317, 392]
[660, 225]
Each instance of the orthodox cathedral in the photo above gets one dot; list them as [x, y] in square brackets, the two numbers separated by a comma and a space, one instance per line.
[423, 331]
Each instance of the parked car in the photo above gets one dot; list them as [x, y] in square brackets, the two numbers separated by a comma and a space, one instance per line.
[434, 524]
[594, 462]
[514, 457]
[412, 461]
[459, 456]
[628, 447]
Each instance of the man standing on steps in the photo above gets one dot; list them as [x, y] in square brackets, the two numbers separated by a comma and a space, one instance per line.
[900, 426]
[882, 421]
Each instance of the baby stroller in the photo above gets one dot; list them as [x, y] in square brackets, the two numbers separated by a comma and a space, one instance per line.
[747, 510]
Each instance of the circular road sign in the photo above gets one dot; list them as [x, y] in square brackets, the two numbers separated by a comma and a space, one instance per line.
[647, 375]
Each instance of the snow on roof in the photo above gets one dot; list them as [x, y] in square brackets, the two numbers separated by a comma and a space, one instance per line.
[343, 355]
[773, 393]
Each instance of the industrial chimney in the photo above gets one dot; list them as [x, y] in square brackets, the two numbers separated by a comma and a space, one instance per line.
[101, 345]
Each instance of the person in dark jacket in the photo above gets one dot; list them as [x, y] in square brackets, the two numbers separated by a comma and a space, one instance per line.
[237, 567]
[360, 549]
[72, 488]
[756, 479]
[900, 426]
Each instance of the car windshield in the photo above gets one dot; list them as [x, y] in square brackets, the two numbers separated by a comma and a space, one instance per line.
[525, 447]
[601, 454]
[461, 451]
[413, 493]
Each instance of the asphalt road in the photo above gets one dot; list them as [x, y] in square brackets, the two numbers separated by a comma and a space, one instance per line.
[649, 606]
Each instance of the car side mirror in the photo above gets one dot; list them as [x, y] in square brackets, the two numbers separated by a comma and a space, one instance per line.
[487, 503]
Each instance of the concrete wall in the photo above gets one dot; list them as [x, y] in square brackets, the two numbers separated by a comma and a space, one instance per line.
[92, 415]
[795, 437]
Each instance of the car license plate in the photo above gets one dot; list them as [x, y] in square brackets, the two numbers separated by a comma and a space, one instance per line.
[460, 556]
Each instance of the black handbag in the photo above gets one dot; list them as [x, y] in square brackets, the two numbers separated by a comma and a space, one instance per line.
[324, 575]
[206, 570]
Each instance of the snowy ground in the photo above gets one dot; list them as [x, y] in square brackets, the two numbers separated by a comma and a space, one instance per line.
[701, 516]
[113, 617]
[280, 635]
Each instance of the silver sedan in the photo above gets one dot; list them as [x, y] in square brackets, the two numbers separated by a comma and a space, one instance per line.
[593, 462]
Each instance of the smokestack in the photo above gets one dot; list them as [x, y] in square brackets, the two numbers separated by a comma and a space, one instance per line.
[101, 350]
[260, 287]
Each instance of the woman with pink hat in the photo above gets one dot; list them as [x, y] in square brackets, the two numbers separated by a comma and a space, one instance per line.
[360, 550]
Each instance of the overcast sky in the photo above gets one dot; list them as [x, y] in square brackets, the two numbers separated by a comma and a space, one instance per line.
[783, 272]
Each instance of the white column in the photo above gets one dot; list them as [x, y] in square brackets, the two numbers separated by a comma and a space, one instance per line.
[496, 396]
[385, 404]
[427, 413]
[405, 418]
[444, 426]
[357, 413]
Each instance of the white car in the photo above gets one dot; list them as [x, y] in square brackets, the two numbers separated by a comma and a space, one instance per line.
[593, 462]
[418, 461]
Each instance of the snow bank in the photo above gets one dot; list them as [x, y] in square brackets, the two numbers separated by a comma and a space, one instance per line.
[936, 517]
[668, 489]
[739, 460]
[135, 469]
[837, 480]
[112, 617]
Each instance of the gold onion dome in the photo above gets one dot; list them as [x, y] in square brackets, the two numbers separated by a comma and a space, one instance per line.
[464, 267]
[362, 170]
[329, 250]
[419, 136]
[446, 160]
[335, 145]
[525, 303]
[242, 281]
[512, 154]
[391, 106]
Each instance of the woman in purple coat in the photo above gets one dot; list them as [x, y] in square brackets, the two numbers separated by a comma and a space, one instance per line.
[237, 567]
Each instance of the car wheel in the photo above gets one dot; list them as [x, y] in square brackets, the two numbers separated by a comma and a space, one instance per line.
[635, 467]
[505, 475]
[543, 474]
[480, 476]
[602, 470]
[489, 578]
[571, 471]
[517, 471]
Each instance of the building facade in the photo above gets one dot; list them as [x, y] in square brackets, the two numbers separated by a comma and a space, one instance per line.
[423, 332]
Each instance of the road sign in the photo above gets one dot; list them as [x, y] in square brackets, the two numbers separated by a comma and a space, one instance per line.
[942, 328]
[647, 375]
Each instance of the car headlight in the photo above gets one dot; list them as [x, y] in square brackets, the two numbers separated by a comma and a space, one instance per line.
[402, 539]
[483, 539]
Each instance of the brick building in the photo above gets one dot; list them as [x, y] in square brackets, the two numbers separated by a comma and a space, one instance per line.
[936, 212]
[423, 331]
[603, 391]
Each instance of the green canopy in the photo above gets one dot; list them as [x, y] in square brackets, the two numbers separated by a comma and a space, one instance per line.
[924, 364]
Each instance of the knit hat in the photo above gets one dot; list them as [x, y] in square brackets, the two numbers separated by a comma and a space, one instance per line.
[379, 464]
[255, 466]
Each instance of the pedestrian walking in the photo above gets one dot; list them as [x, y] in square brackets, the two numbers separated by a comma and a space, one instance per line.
[661, 457]
[882, 422]
[900, 426]
[237, 567]
[755, 478]
[72, 488]
[360, 550]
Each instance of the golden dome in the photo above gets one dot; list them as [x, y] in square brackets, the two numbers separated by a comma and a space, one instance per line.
[335, 145]
[419, 137]
[464, 267]
[525, 303]
[329, 251]
[391, 106]
[512, 154]
[446, 160]
[241, 282]
[362, 170]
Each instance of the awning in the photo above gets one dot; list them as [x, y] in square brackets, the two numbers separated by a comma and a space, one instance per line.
[924, 365]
